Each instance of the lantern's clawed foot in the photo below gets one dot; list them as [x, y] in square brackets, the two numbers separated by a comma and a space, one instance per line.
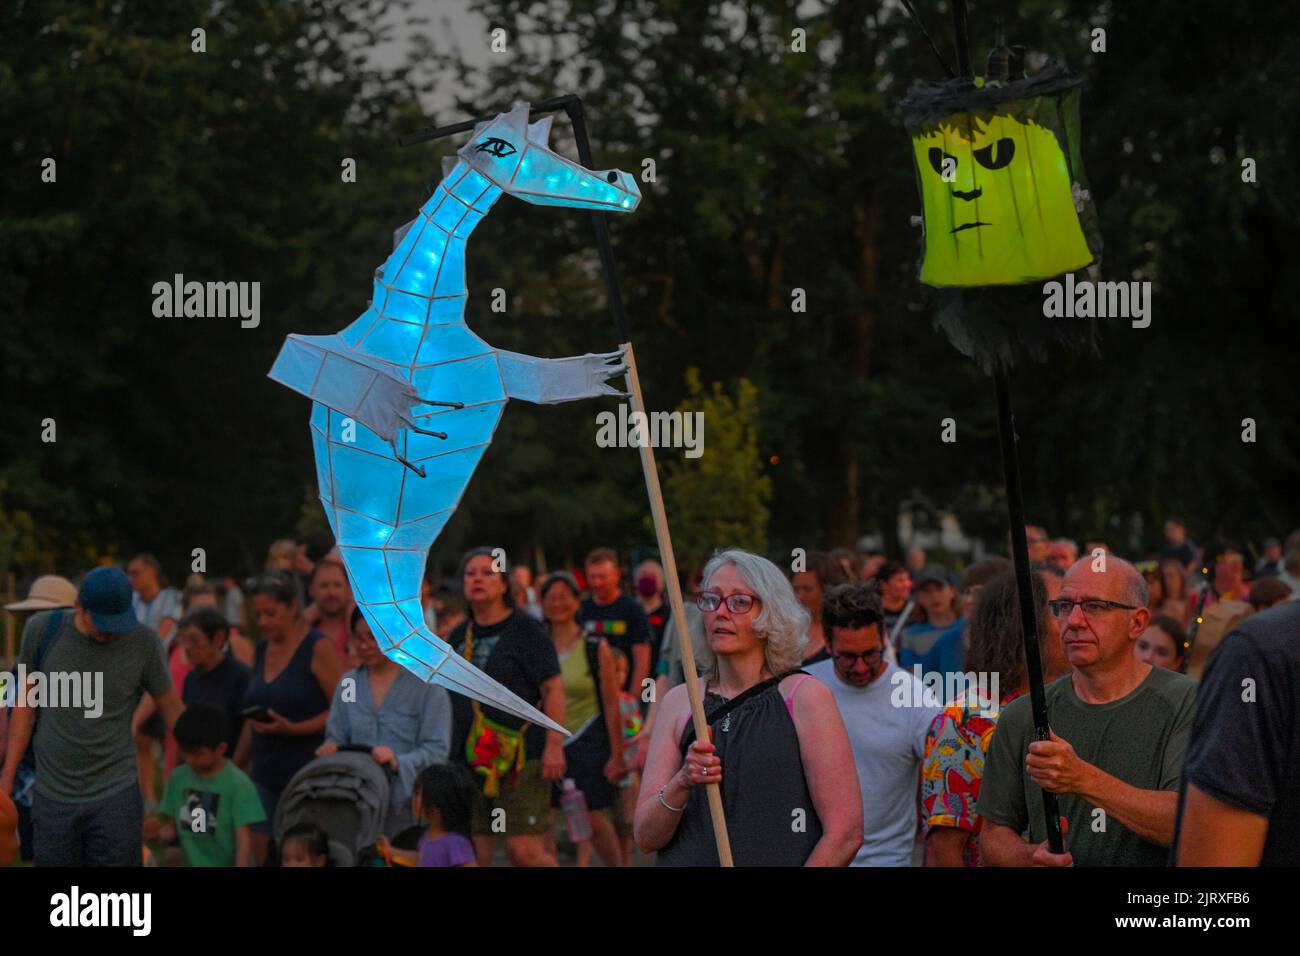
[418, 469]
[425, 431]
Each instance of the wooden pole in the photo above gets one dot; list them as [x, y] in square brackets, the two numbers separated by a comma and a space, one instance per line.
[677, 604]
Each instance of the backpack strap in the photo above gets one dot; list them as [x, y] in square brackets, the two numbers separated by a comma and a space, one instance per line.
[51, 628]
[467, 649]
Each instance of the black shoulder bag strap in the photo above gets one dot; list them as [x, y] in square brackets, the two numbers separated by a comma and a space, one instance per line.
[689, 737]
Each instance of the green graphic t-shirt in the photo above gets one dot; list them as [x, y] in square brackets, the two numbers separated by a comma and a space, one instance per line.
[208, 809]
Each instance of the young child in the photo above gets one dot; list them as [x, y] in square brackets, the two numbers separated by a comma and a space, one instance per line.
[629, 708]
[209, 803]
[305, 844]
[1161, 644]
[443, 799]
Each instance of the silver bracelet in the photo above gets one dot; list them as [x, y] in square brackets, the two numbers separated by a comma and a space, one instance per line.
[664, 803]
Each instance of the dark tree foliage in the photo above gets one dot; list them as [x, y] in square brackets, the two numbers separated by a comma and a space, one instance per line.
[776, 171]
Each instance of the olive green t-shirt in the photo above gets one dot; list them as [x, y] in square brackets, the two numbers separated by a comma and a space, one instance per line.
[84, 749]
[1140, 739]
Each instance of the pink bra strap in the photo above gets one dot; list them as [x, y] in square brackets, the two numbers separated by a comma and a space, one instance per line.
[789, 701]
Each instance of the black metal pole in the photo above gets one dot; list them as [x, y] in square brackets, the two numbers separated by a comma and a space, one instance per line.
[1028, 613]
[579, 120]
[437, 132]
[961, 37]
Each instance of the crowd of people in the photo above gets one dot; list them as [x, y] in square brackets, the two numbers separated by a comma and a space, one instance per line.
[862, 711]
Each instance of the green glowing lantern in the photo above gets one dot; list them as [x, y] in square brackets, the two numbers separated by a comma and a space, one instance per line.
[1002, 185]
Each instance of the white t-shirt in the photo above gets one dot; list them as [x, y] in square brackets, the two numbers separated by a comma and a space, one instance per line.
[888, 746]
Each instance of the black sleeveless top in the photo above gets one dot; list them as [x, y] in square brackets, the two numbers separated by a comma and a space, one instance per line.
[295, 694]
[763, 786]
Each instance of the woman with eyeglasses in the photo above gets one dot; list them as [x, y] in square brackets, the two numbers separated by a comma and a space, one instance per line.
[778, 746]
[404, 721]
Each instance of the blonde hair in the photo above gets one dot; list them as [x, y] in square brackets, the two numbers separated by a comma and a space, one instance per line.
[781, 623]
[284, 550]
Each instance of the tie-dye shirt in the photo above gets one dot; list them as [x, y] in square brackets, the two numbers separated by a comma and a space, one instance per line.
[953, 768]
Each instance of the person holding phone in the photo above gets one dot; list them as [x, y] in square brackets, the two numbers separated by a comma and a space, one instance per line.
[287, 702]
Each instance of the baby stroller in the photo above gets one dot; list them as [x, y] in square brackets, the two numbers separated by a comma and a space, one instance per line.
[346, 795]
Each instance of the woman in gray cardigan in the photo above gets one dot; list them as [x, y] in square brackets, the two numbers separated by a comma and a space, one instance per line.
[405, 722]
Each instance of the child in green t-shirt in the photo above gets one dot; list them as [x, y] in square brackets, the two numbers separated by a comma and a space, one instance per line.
[209, 802]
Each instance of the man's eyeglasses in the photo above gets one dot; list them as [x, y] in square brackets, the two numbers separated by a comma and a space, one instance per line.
[870, 658]
[1063, 607]
[737, 603]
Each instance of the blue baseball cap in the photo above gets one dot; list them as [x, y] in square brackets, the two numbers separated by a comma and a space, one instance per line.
[106, 596]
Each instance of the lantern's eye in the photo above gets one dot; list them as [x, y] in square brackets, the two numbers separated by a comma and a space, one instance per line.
[496, 147]
[938, 157]
[996, 155]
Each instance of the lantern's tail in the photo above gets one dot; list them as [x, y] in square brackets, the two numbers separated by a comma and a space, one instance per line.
[385, 518]
[392, 608]
[459, 675]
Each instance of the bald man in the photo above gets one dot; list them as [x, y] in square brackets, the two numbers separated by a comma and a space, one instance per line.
[1119, 733]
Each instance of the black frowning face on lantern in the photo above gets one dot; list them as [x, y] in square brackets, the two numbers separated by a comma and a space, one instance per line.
[1000, 183]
